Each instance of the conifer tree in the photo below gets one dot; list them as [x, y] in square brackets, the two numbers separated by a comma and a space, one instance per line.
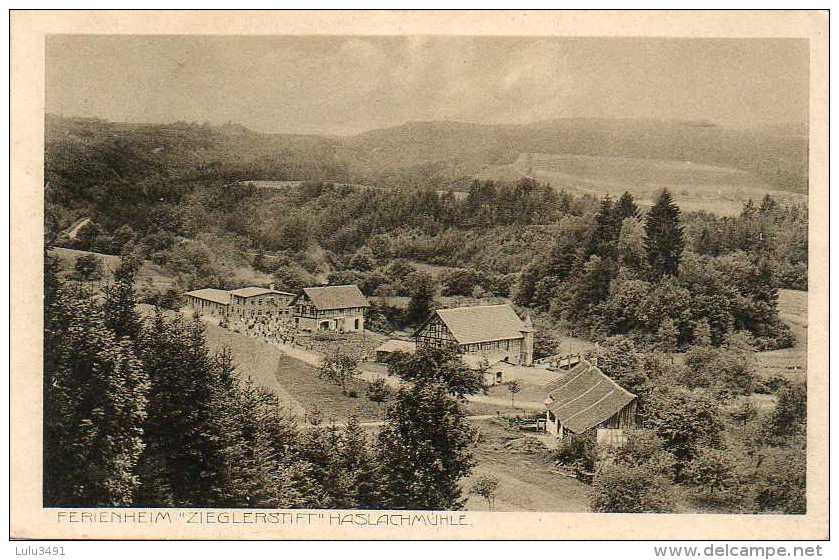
[421, 303]
[320, 448]
[178, 427]
[626, 208]
[120, 300]
[95, 406]
[664, 239]
[604, 235]
[425, 449]
[358, 459]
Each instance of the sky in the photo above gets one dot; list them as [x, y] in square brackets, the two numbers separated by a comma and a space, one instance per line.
[346, 85]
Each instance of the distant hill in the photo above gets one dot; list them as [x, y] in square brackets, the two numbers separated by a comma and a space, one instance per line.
[451, 151]
[439, 154]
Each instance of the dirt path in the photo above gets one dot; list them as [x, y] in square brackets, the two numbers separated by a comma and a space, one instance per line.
[380, 423]
[528, 480]
[74, 229]
[499, 401]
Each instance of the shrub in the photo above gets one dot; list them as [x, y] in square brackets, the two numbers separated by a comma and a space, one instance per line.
[378, 391]
[684, 420]
[635, 477]
[486, 487]
[713, 475]
[781, 482]
[621, 488]
[790, 414]
[88, 267]
[579, 453]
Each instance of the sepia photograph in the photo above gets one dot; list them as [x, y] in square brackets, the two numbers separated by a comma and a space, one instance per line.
[442, 273]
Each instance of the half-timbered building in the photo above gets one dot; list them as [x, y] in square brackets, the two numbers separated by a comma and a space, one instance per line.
[489, 330]
[330, 308]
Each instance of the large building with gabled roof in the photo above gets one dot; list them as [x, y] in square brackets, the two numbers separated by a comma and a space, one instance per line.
[209, 301]
[254, 301]
[330, 308]
[245, 303]
[486, 330]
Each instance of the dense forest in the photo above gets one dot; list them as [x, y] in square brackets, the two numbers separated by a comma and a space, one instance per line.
[156, 419]
[644, 283]
[591, 266]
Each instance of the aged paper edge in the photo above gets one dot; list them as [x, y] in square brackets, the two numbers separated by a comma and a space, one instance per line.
[28, 29]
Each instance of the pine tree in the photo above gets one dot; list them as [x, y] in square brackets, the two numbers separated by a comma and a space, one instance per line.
[358, 459]
[421, 303]
[180, 436]
[604, 234]
[120, 300]
[256, 446]
[425, 449]
[626, 208]
[320, 449]
[664, 239]
[95, 406]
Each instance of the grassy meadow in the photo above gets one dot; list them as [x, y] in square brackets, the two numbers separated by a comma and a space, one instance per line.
[717, 189]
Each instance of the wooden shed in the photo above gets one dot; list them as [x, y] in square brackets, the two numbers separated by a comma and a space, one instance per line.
[587, 399]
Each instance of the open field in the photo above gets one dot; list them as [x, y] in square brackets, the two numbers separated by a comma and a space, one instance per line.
[302, 382]
[149, 275]
[528, 480]
[295, 382]
[255, 359]
[722, 190]
[789, 362]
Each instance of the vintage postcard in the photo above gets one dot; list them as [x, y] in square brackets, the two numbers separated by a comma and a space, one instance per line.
[419, 275]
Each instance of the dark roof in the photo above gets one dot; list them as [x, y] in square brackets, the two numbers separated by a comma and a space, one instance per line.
[211, 294]
[585, 397]
[336, 297]
[252, 291]
[483, 323]
[559, 381]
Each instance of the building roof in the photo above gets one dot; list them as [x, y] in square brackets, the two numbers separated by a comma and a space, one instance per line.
[397, 346]
[211, 294]
[585, 397]
[252, 291]
[336, 297]
[483, 323]
[559, 381]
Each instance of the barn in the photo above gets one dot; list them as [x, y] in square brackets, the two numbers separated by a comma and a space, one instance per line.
[587, 399]
[490, 332]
